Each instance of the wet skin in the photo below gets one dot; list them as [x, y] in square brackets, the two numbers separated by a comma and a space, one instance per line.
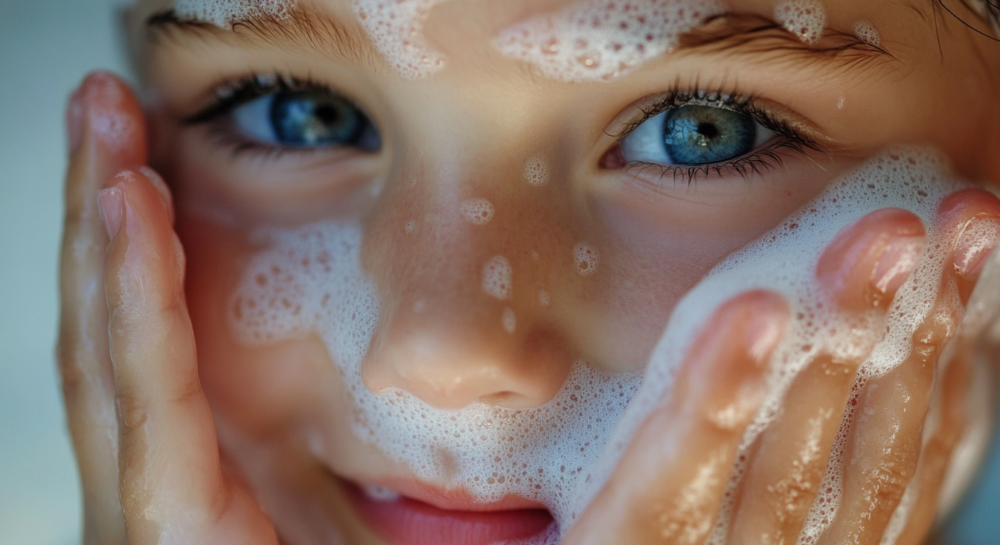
[266, 408]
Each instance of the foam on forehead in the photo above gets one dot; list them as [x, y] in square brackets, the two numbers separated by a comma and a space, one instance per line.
[599, 40]
[396, 28]
[310, 280]
[223, 13]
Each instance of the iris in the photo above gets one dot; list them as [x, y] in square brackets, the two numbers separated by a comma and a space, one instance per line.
[700, 135]
[315, 119]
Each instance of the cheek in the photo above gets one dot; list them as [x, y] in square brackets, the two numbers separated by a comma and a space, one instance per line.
[259, 390]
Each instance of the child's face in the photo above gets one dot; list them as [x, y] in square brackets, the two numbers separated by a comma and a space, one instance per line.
[489, 156]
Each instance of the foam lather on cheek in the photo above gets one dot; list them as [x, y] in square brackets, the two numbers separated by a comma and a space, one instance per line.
[600, 40]
[396, 28]
[560, 454]
[223, 13]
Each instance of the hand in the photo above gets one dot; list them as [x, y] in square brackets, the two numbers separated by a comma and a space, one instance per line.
[142, 429]
[670, 484]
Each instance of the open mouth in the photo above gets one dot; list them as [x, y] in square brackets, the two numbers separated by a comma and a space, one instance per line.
[412, 514]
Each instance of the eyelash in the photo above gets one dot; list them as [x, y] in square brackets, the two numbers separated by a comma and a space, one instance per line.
[234, 93]
[756, 163]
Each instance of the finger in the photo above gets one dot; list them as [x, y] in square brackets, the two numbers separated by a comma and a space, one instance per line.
[170, 474]
[107, 134]
[973, 215]
[868, 262]
[670, 483]
[791, 457]
[864, 267]
[885, 438]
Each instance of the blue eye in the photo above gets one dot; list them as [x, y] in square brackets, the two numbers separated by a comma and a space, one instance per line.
[306, 119]
[694, 135]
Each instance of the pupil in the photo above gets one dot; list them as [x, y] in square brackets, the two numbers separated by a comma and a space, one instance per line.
[708, 130]
[702, 135]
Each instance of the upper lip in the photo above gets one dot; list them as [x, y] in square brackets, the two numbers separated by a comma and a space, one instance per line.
[451, 499]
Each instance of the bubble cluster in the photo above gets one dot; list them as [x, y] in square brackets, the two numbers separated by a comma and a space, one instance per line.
[560, 454]
[536, 171]
[478, 211]
[498, 278]
[544, 298]
[509, 320]
[867, 33]
[600, 40]
[804, 18]
[396, 28]
[586, 259]
[223, 13]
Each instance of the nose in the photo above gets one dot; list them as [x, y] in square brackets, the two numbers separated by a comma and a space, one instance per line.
[461, 319]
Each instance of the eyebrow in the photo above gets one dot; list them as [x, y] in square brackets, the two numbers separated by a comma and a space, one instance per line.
[299, 28]
[734, 34]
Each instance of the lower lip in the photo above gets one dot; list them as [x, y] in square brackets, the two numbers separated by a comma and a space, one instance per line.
[410, 522]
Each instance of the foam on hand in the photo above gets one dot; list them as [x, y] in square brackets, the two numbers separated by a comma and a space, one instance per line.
[310, 280]
[223, 13]
[600, 40]
[867, 33]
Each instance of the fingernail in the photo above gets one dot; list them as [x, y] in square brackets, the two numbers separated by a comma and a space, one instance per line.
[75, 113]
[111, 205]
[896, 263]
[161, 187]
[766, 328]
[974, 246]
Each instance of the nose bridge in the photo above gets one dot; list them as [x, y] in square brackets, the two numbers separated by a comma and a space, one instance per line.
[456, 262]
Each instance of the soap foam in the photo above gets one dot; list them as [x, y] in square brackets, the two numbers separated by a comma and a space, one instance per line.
[497, 278]
[223, 13]
[478, 211]
[804, 18]
[586, 259]
[310, 280]
[867, 33]
[536, 171]
[600, 40]
[396, 27]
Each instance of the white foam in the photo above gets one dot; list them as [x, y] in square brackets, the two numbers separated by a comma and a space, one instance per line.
[544, 298]
[509, 320]
[498, 278]
[410, 227]
[600, 40]
[223, 13]
[867, 33]
[396, 28]
[536, 171]
[586, 258]
[804, 18]
[310, 279]
[478, 211]
[381, 493]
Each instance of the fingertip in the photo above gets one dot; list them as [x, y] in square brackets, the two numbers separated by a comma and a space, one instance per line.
[869, 261]
[105, 112]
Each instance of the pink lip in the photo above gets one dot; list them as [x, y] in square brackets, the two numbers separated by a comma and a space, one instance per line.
[425, 515]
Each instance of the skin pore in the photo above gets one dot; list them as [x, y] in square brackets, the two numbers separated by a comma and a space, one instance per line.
[279, 414]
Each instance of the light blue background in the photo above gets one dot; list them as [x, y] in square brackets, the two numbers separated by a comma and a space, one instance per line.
[46, 47]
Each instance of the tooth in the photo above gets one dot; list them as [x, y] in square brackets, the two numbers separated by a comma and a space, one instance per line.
[381, 493]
